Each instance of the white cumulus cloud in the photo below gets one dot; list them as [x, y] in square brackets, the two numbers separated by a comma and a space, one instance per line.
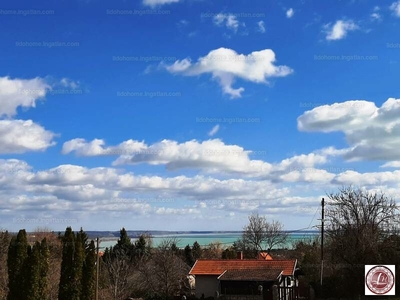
[18, 136]
[372, 133]
[289, 13]
[24, 93]
[261, 26]
[340, 29]
[395, 7]
[229, 20]
[226, 65]
[214, 130]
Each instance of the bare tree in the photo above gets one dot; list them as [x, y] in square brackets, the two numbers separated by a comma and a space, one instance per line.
[259, 233]
[165, 274]
[357, 221]
[213, 250]
[360, 231]
[120, 273]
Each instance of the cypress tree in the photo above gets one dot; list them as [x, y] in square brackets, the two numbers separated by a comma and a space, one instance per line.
[32, 273]
[189, 256]
[69, 288]
[78, 272]
[43, 268]
[124, 243]
[196, 250]
[141, 248]
[17, 256]
[89, 273]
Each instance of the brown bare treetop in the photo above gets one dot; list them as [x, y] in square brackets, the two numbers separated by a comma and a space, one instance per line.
[260, 233]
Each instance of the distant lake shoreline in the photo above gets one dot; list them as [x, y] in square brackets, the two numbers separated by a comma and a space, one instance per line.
[205, 238]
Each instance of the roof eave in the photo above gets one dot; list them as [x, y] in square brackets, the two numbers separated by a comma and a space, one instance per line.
[221, 274]
[190, 272]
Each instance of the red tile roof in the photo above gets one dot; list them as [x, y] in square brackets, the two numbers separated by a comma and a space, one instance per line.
[264, 255]
[218, 266]
[250, 275]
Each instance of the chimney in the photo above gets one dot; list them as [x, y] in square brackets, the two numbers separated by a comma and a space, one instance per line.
[239, 255]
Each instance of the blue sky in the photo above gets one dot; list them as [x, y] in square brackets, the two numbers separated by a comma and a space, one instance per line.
[192, 114]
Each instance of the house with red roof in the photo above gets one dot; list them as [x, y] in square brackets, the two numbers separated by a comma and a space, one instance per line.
[235, 277]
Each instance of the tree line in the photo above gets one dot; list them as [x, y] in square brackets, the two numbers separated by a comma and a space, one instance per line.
[361, 228]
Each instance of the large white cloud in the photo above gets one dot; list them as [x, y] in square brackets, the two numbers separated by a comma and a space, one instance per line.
[24, 93]
[226, 65]
[96, 147]
[211, 156]
[395, 7]
[75, 195]
[18, 136]
[372, 133]
[340, 29]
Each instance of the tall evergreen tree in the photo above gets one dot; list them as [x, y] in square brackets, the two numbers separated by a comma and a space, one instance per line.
[69, 288]
[89, 273]
[124, 243]
[36, 271]
[189, 256]
[141, 248]
[43, 268]
[196, 250]
[17, 256]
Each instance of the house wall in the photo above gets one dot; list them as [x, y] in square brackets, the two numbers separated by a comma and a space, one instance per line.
[207, 285]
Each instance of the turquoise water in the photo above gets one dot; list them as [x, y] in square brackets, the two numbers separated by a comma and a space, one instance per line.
[226, 239]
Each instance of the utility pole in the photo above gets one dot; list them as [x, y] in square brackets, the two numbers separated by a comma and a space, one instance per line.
[322, 237]
[97, 270]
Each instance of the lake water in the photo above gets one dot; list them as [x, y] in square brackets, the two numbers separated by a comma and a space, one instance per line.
[226, 239]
